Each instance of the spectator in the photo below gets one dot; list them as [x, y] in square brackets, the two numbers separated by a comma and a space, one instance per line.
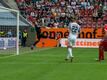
[105, 6]
[9, 33]
[20, 37]
[95, 15]
[100, 11]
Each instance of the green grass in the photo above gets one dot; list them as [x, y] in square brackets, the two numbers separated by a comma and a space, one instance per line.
[49, 64]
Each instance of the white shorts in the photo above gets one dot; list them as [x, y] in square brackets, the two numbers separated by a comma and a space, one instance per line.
[72, 40]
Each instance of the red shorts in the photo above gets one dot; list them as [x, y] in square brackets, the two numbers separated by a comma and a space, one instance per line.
[104, 44]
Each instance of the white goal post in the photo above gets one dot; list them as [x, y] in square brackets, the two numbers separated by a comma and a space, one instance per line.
[4, 9]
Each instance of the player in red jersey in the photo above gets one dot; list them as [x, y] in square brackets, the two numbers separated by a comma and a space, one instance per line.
[103, 44]
[105, 28]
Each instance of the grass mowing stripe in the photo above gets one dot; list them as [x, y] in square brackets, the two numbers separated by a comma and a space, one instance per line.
[67, 63]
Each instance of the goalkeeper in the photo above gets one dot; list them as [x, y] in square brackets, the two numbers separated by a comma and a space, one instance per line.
[38, 34]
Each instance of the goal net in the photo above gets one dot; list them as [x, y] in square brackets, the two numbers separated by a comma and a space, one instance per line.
[9, 31]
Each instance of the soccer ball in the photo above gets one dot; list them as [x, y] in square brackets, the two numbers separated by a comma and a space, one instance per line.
[4, 48]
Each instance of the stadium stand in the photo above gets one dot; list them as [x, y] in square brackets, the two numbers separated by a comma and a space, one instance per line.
[11, 3]
[58, 12]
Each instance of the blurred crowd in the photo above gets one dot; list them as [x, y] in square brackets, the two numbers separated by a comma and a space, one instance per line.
[57, 13]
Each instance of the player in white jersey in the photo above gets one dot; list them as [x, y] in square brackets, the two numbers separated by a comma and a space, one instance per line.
[74, 29]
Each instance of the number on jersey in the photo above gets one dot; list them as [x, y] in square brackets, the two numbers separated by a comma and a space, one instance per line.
[74, 29]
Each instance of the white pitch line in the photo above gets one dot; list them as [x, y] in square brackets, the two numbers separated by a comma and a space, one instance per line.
[41, 63]
[37, 50]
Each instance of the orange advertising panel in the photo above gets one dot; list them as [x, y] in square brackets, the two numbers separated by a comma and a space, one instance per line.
[49, 36]
[91, 33]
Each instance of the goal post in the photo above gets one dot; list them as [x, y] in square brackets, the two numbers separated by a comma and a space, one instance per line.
[9, 20]
[17, 32]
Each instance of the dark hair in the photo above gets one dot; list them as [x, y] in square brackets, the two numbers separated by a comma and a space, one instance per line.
[72, 19]
[105, 21]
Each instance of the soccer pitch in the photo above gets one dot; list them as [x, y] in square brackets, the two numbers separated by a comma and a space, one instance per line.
[49, 64]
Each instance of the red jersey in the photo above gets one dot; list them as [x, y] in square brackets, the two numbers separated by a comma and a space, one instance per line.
[105, 27]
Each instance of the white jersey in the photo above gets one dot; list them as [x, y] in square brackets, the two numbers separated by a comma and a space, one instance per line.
[74, 28]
